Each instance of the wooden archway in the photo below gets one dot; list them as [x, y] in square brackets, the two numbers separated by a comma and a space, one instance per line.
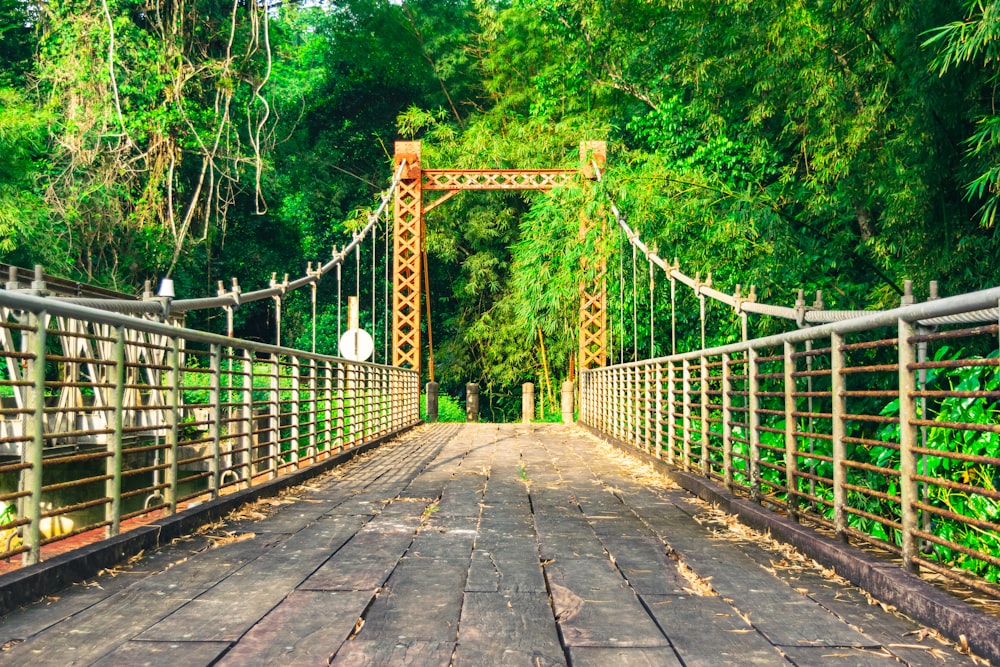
[408, 242]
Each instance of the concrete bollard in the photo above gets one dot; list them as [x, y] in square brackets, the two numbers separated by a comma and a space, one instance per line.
[432, 402]
[527, 402]
[568, 401]
[472, 402]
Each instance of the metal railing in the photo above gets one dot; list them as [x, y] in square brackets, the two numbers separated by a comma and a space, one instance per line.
[109, 420]
[884, 428]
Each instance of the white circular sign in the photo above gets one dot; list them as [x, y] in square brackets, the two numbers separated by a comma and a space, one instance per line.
[356, 345]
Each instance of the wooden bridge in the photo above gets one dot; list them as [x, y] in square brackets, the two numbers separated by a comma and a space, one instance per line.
[471, 544]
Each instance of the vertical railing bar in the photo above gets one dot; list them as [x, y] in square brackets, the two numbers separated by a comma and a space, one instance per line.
[31, 476]
[791, 442]
[294, 430]
[173, 422]
[838, 433]
[659, 409]
[686, 429]
[704, 416]
[727, 419]
[274, 414]
[671, 411]
[908, 492]
[113, 464]
[753, 424]
[248, 418]
[215, 425]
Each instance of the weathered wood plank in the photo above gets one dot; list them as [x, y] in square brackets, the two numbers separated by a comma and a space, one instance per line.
[366, 561]
[508, 629]
[599, 656]
[708, 632]
[163, 654]
[421, 600]
[395, 652]
[595, 606]
[231, 607]
[508, 566]
[307, 628]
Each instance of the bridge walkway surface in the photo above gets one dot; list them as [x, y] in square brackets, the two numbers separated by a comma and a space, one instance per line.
[475, 545]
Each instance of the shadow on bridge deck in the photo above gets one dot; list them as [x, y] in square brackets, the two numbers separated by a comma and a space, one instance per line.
[467, 545]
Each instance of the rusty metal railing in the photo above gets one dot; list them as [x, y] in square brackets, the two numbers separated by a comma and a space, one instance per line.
[883, 428]
[109, 420]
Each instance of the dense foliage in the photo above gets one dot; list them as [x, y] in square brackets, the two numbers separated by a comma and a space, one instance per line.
[841, 146]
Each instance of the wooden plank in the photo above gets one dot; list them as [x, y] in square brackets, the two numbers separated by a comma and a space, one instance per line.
[366, 561]
[508, 629]
[595, 606]
[163, 654]
[510, 566]
[599, 656]
[645, 564]
[421, 600]
[307, 628]
[396, 652]
[855, 657]
[445, 537]
[708, 632]
[231, 607]
[88, 636]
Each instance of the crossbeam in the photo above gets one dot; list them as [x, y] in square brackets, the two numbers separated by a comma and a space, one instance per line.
[497, 179]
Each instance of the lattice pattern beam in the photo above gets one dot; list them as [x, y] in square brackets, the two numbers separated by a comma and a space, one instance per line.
[497, 179]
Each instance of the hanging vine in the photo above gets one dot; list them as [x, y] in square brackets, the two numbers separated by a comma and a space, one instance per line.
[163, 116]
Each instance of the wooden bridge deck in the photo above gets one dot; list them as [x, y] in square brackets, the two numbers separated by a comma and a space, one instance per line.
[468, 545]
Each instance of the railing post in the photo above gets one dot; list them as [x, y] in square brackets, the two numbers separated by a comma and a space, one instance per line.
[686, 390]
[329, 380]
[314, 409]
[296, 416]
[704, 416]
[671, 411]
[908, 492]
[215, 425]
[791, 443]
[753, 424]
[113, 464]
[647, 401]
[659, 409]
[173, 419]
[248, 418]
[838, 432]
[274, 414]
[727, 422]
[31, 475]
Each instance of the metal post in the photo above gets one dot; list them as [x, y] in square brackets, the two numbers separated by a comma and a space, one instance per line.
[658, 394]
[527, 402]
[753, 424]
[215, 424]
[908, 493]
[173, 419]
[686, 390]
[727, 422]
[248, 418]
[704, 416]
[671, 412]
[32, 475]
[113, 464]
[296, 416]
[791, 443]
[838, 432]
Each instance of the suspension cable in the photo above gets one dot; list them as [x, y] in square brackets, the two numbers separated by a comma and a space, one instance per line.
[635, 311]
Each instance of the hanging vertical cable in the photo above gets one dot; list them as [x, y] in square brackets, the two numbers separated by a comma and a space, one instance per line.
[340, 281]
[385, 290]
[374, 269]
[621, 293]
[652, 323]
[635, 310]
